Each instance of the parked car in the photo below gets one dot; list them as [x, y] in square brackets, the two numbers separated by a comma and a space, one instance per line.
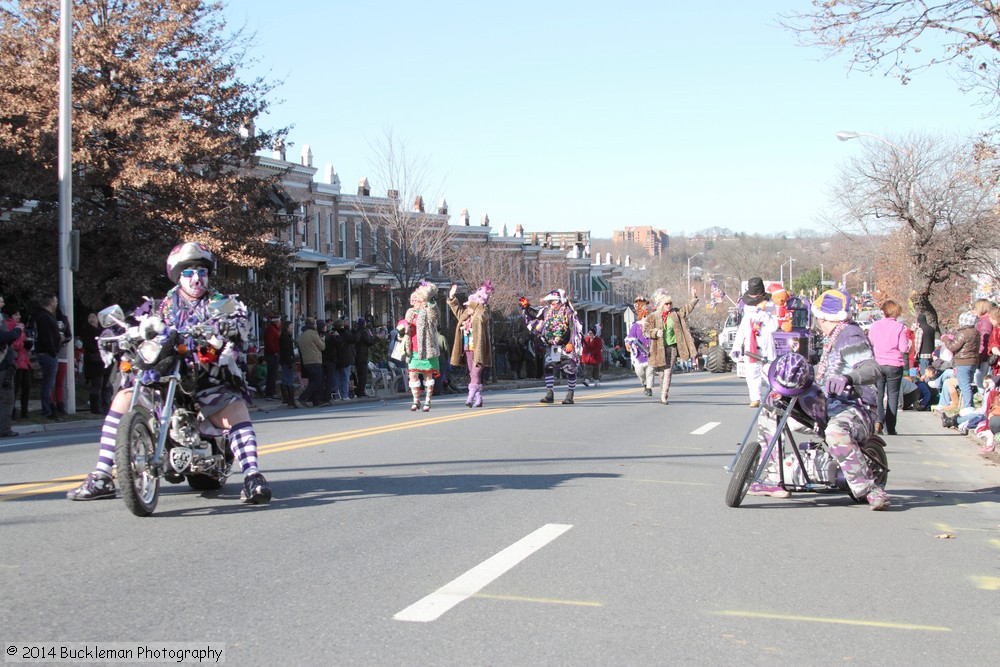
[864, 318]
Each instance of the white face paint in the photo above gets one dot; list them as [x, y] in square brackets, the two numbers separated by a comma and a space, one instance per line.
[194, 285]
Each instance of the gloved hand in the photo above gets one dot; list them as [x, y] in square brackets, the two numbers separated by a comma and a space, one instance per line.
[523, 302]
[229, 329]
[837, 385]
[735, 355]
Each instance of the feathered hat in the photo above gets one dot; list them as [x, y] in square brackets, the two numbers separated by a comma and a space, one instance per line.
[660, 297]
[482, 295]
[557, 295]
[426, 292]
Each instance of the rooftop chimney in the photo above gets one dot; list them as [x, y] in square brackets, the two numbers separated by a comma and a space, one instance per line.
[364, 189]
[418, 204]
[442, 207]
[330, 175]
[464, 216]
[307, 156]
[485, 222]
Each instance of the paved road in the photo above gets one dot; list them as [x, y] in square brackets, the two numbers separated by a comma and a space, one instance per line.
[515, 534]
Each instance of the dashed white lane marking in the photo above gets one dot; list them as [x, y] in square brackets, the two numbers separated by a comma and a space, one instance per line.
[702, 430]
[465, 586]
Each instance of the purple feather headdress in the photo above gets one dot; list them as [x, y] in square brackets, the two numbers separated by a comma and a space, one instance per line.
[482, 295]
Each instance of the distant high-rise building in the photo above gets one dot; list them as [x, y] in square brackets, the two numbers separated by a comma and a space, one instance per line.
[655, 241]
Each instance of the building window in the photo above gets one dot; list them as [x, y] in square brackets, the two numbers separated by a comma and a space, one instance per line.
[343, 238]
[374, 244]
[388, 248]
[316, 245]
[329, 232]
[357, 239]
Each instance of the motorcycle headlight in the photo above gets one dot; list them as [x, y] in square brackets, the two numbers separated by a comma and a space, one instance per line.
[149, 351]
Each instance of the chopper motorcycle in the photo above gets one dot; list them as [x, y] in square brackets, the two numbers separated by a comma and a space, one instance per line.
[795, 466]
[163, 435]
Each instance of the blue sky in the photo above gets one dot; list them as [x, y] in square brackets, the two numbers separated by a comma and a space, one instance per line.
[588, 115]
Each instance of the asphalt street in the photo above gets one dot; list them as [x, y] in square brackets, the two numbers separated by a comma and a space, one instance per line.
[515, 534]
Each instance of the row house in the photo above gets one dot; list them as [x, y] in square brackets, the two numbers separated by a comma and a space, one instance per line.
[347, 263]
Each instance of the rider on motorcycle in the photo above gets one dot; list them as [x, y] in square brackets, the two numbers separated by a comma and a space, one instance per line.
[190, 265]
[848, 361]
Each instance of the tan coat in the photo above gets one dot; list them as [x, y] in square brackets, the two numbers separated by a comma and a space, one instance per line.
[311, 347]
[652, 328]
[480, 315]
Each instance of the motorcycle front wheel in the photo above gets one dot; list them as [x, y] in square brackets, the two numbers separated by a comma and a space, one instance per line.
[742, 476]
[135, 446]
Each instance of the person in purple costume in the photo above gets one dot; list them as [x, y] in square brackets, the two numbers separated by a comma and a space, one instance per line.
[190, 265]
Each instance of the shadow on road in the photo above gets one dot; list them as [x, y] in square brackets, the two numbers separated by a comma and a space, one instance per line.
[316, 491]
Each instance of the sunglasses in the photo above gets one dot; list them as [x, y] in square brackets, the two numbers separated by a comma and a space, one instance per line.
[189, 273]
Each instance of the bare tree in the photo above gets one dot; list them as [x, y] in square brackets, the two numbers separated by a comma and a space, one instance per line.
[903, 37]
[471, 263]
[934, 200]
[411, 241]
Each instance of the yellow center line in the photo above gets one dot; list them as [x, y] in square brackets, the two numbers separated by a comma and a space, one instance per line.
[517, 598]
[26, 489]
[943, 527]
[18, 487]
[835, 621]
[986, 583]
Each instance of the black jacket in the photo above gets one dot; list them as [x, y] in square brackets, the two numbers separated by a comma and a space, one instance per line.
[47, 338]
[286, 347]
[345, 347]
[364, 339]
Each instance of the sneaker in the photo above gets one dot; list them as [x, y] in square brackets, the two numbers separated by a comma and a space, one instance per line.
[754, 404]
[255, 490]
[878, 500]
[773, 490]
[97, 486]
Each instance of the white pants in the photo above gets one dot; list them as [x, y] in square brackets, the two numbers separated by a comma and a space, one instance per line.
[645, 373]
[753, 376]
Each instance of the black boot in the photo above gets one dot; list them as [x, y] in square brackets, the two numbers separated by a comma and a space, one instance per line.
[95, 404]
[569, 398]
[549, 397]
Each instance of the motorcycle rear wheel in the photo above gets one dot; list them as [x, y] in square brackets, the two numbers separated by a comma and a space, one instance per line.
[135, 446]
[878, 462]
[742, 476]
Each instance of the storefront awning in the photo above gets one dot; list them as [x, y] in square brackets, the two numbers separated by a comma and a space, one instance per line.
[597, 284]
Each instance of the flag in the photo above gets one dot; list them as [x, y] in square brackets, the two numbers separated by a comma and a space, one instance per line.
[716, 295]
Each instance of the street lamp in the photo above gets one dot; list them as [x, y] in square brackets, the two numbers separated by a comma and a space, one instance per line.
[844, 279]
[689, 270]
[847, 136]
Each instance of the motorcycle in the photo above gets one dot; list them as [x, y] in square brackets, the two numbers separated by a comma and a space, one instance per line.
[163, 435]
[796, 466]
